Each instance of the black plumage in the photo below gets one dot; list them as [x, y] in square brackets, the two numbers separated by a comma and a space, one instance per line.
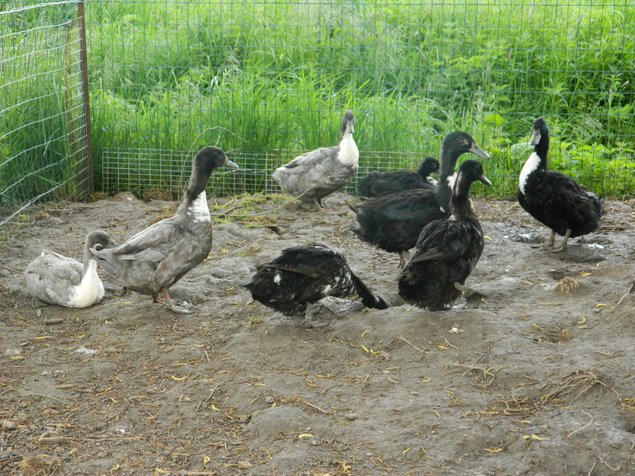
[305, 274]
[377, 184]
[393, 222]
[447, 249]
[553, 198]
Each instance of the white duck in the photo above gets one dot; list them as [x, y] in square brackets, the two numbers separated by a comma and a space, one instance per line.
[56, 279]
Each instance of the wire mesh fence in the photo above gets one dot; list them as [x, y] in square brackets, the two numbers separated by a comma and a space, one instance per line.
[267, 80]
[159, 173]
[43, 132]
[256, 77]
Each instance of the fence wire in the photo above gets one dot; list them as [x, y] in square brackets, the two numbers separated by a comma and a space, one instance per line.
[43, 151]
[267, 80]
[158, 173]
[259, 77]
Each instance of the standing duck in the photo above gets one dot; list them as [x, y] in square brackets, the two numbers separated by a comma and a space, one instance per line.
[157, 257]
[305, 274]
[378, 184]
[393, 222]
[316, 174]
[57, 279]
[447, 249]
[553, 198]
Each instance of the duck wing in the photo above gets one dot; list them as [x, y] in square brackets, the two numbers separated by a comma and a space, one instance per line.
[299, 269]
[152, 244]
[51, 277]
[315, 261]
[399, 206]
[559, 202]
[308, 159]
[443, 240]
[55, 267]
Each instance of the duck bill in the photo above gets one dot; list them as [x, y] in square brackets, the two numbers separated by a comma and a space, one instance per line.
[535, 137]
[476, 150]
[485, 180]
[230, 164]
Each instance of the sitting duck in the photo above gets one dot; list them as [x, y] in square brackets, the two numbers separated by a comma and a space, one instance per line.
[157, 257]
[553, 198]
[316, 174]
[56, 279]
[393, 222]
[377, 184]
[447, 249]
[305, 274]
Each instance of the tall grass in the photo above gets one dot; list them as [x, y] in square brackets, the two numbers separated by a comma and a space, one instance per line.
[256, 76]
[34, 86]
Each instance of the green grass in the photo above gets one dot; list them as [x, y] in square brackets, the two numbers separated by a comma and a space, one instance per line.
[254, 77]
[37, 134]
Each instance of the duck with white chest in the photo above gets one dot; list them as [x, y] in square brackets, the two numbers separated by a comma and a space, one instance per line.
[154, 259]
[57, 279]
[447, 249]
[553, 198]
[318, 173]
[394, 222]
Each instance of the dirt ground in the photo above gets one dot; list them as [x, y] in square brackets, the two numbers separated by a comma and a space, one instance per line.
[536, 378]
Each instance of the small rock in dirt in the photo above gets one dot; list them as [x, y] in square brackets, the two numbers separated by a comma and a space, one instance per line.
[8, 425]
[271, 422]
[85, 351]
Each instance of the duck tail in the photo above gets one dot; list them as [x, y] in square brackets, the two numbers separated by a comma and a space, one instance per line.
[369, 299]
[101, 255]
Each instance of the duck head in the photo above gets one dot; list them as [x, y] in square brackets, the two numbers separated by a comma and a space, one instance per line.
[97, 240]
[206, 160]
[470, 171]
[428, 166]
[348, 123]
[454, 145]
[539, 131]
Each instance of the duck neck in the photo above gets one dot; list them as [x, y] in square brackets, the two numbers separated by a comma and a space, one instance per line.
[88, 256]
[90, 289]
[542, 149]
[196, 207]
[449, 158]
[536, 161]
[461, 205]
[348, 153]
[194, 203]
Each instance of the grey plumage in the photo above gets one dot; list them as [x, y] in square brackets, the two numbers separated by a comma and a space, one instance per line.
[316, 174]
[157, 257]
[57, 279]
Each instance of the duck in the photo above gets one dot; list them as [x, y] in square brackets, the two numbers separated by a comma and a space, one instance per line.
[377, 184]
[553, 198]
[318, 173]
[57, 279]
[393, 222]
[151, 261]
[304, 274]
[447, 249]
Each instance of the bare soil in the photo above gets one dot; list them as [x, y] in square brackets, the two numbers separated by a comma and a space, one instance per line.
[535, 378]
